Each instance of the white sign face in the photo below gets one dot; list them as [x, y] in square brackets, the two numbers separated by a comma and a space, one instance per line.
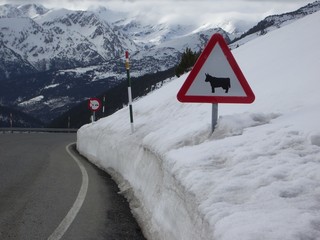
[94, 104]
[216, 67]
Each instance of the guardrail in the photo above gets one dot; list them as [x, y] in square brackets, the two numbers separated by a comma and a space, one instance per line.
[55, 130]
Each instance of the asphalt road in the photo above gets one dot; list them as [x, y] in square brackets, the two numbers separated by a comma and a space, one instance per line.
[44, 193]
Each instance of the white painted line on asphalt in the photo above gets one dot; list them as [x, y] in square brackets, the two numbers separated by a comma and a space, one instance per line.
[68, 219]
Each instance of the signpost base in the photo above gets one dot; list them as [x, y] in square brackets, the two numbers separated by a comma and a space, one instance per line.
[214, 116]
[93, 117]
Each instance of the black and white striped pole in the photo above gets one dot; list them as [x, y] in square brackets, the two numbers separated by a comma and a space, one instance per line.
[129, 91]
[11, 122]
[104, 106]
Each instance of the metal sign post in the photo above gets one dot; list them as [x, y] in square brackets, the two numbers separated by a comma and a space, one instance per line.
[214, 116]
[93, 116]
[129, 91]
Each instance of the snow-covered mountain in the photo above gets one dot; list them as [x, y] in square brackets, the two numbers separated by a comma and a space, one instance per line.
[61, 39]
[53, 55]
[59, 50]
[64, 39]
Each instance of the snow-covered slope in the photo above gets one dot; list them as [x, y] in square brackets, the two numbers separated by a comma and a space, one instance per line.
[273, 22]
[256, 177]
[11, 63]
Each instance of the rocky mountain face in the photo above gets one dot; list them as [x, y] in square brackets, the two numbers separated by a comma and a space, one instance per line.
[52, 59]
[60, 39]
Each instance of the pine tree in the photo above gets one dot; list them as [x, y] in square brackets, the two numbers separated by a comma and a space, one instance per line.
[188, 59]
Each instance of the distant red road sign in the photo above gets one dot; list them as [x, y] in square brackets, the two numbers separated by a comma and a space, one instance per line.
[216, 77]
[94, 104]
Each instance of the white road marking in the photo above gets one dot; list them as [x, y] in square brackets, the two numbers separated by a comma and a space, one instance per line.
[68, 219]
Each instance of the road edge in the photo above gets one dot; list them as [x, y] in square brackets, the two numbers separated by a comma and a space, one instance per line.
[71, 215]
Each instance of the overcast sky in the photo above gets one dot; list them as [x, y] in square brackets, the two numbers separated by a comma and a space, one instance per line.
[188, 11]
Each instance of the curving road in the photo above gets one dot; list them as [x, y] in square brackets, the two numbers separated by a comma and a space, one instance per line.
[48, 193]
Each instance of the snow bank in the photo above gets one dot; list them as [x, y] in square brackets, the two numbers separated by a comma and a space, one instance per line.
[256, 177]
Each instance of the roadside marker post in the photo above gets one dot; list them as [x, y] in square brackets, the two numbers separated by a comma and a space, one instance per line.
[216, 78]
[129, 90]
[104, 106]
[11, 121]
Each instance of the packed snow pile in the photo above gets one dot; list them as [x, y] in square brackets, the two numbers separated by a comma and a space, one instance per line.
[256, 177]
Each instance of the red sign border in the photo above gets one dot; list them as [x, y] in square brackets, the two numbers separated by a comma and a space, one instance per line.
[96, 99]
[216, 39]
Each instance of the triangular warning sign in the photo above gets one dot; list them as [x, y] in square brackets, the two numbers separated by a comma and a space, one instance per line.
[216, 77]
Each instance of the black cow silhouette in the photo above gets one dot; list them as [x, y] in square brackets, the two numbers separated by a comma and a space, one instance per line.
[216, 82]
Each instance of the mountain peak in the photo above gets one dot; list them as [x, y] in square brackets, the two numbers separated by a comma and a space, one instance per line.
[33, 10]
[10, 11]
[25, 10]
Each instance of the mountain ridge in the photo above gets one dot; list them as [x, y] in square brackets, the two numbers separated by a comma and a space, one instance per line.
[46, 38]
[275, 21]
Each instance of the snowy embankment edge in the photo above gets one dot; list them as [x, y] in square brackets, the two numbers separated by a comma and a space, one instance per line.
[161, 205]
